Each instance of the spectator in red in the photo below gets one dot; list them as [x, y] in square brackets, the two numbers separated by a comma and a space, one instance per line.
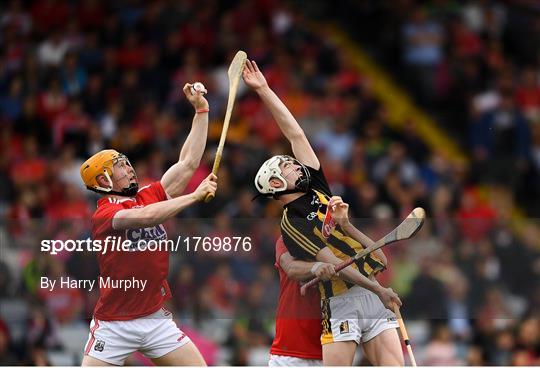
[475, 217]
[73, 206]
[31, 168]
[51, 101]
[528, 94]
[132, 54]
[224, 289]
[71, 126]
[467, 43]
[144, 123]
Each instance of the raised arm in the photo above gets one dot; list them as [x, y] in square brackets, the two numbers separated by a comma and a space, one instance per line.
[159, 212]
[290, 128]
[302, 270]
[176, 178]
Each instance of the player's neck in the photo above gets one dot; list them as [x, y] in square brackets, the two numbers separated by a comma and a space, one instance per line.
[115, 196]
[288, 198]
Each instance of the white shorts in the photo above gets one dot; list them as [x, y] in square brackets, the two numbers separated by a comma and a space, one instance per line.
[357, 315]
[154, 335]
[289, 361]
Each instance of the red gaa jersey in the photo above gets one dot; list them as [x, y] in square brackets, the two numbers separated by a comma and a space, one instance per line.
[152, 266]
[298, 318]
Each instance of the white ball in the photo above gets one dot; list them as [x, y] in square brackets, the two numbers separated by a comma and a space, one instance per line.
[198, 87]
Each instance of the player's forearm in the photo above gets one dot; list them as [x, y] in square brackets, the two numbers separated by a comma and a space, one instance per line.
[363, 239]
[193, 149]
[352, 275]
[156, 213]
[175, 180]
[153, 214]
[299, 270]
[285, 120]
[349, 273]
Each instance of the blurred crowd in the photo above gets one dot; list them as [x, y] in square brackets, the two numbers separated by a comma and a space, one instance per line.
[77, 77]
[475, 66]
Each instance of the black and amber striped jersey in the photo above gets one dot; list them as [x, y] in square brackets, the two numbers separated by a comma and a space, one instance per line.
[301, 226]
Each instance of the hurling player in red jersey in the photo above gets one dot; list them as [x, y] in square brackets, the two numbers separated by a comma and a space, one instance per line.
[134, 319]
[298, 318]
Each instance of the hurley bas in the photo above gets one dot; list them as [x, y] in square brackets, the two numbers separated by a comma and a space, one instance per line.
[66, 282]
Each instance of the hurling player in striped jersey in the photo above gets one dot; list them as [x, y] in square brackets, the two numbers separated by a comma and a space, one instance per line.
[356, 309]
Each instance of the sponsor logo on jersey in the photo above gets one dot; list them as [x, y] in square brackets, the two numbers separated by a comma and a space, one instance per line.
[391, 319]
[143, 235]
[344, 327]
[329, 224]
[99, 346]
[311, 216]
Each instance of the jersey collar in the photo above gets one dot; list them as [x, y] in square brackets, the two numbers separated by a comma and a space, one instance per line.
[113, 200]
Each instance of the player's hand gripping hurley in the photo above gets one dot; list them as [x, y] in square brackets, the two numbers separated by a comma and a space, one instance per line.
[408, 228]
[234, 73]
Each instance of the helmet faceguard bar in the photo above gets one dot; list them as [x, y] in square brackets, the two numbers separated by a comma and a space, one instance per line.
[130, 191]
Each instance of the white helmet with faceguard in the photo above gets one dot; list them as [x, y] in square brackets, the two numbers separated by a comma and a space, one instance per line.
[271, 169]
